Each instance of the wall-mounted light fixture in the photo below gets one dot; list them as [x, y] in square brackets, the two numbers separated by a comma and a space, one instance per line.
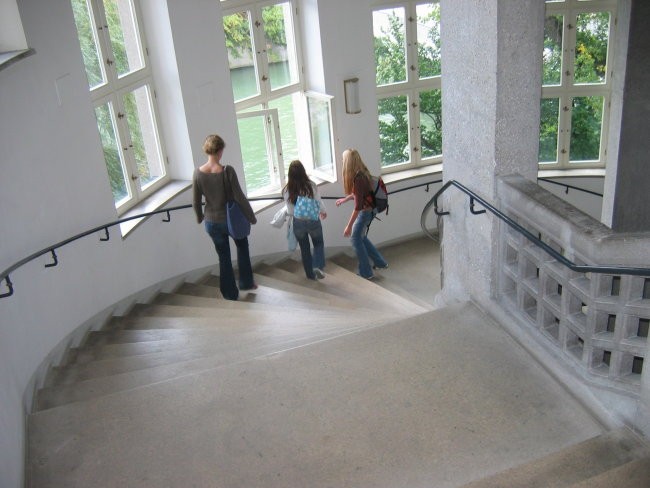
[351, 89]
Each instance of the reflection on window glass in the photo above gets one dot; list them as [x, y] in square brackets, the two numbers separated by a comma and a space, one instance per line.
[393, 130]
[552, 54]
[280, 48]
[548, 132]
[123, 32]
[243, 74]
[89, 43]
[321, 136]
[142, 131]
[586, 126]
[286, 107]
[592, 36]
[252, 134]
[390, 45]
[428, 36]
[112, 153]
[431, 123]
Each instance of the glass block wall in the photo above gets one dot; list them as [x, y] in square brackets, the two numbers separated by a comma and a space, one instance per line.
[598, 322]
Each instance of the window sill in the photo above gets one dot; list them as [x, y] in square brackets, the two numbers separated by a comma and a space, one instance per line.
[412, 173]
[155, 202]
[8, 58]
[571, 173]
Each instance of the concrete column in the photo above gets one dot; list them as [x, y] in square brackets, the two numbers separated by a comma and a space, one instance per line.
[626, 203]
[491, 91]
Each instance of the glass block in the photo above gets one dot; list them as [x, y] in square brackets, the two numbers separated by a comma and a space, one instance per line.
[632, 366]
[530, 306]
[551, 325]
[600, 361]
[575, 344]
[605, 323]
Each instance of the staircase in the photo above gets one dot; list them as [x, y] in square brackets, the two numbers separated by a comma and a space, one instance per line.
[340, 382]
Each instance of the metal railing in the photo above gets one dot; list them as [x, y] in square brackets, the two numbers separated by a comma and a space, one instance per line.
[5, 275]
[568, 187]
[473, 198]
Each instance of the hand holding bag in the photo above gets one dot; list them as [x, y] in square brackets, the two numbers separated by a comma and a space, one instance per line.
[306, 208]
[238, 225]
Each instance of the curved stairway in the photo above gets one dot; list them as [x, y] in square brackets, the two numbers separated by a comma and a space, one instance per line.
[340, 382]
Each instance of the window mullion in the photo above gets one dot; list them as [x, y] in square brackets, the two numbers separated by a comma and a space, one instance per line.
[126, 144]
[104, 40]
[259, 48]
[412, 68]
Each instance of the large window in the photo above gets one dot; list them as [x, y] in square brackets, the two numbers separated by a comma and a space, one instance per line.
[408, 77]
[278, 121]
[576, 83]
[121, 87]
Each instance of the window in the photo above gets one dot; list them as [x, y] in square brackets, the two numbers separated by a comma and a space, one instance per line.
[576, 83]
[278, 121]
[121, 87]
[408, 77]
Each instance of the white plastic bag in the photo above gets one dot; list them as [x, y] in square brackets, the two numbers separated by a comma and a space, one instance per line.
[280, 216]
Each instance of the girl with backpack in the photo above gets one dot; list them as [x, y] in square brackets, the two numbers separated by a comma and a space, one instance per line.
[357, 186]
[306, 208]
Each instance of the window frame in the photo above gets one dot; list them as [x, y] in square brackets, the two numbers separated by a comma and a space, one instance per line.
[263, 100]
[113, 90]
[568, 90]
[412, 87]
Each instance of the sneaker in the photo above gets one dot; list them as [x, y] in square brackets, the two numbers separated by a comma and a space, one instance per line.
[380, 267]
[254, 287]
[319, 273]
[369, 278]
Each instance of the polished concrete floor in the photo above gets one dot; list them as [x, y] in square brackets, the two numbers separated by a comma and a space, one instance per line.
[309, 395]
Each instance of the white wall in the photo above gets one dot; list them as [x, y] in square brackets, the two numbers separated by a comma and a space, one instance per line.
[54, 182]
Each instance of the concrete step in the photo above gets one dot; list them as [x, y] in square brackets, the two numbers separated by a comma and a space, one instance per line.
[198, 346]
[634, 474]
[147, 374]
[365, 291]
[577, 464]
[438, 399]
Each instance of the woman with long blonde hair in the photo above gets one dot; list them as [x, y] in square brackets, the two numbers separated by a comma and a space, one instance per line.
[357, 186]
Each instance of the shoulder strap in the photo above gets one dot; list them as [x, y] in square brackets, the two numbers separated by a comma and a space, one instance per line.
[226, 187]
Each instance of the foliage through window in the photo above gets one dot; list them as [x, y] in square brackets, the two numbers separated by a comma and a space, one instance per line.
[576, 83]
[408, 77]
[114, 55]
[278, 121]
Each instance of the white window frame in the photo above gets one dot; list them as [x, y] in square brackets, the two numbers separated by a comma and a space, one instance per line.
[567, 90]
[260, 103]
[112, 92]
[411, 88]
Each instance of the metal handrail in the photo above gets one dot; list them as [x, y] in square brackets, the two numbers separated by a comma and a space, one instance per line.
[606, 269]
[5, 275]
[567, 187]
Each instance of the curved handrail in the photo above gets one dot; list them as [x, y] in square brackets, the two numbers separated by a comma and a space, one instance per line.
[606, 269]
[5, 275]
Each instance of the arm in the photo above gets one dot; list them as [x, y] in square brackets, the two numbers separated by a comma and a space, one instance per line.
[197, 195]
[347, 198]
[347, 232]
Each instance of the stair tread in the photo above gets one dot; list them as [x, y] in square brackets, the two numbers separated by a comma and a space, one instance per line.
[570, 465]
[633, 474]
[398, 405]
[51, 397]
[223, 344]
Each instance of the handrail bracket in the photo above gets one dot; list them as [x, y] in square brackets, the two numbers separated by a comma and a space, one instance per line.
[10, 287]
[55, 260]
